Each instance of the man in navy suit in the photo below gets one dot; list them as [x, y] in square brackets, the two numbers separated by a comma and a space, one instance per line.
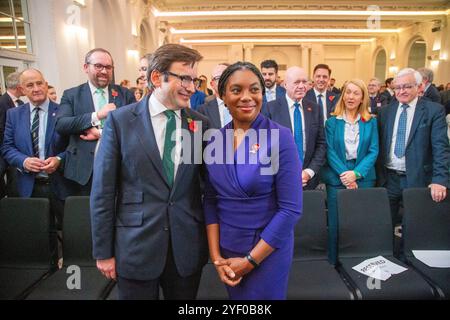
[319, 94]
[215, 110]
[414, 149]
[10, 99]
[32, 146]
[148, 225]
[310, 123]
[269, 70]
[376, 99]
[82, 113]
[429, 91]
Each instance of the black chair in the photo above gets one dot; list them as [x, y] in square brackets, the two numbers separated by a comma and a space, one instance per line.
[25, 257]
[365, 231]
[77, 252]
[426, 226]
[312, 276]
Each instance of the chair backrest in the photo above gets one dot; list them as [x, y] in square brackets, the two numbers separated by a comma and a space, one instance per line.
[365, 226]
[426, 224]
[311, 230]
[77, 239]
[24, 233]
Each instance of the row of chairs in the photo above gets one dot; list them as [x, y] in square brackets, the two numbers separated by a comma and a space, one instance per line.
[365, 231]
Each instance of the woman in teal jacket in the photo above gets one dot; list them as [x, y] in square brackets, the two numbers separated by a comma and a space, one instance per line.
[352, 140]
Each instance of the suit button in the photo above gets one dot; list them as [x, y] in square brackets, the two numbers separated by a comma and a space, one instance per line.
[171, 204]
[166, 229]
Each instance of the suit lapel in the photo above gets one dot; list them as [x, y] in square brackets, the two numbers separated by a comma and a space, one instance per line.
[340, 134]
[146, 136]
[213, 110]
[25, 118]
[418, 114]
[392, 112]
[51, 120]
[285, 117]
[116, 98]
[87, 102]
[307, 112]
[362, 140]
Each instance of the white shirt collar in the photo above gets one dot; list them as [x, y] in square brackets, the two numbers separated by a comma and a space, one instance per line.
[13, 97]
[412, 104]
[156, 107]
[344, 117]
[291, 102]
[44, 106]
[324, 94]
[94, 88]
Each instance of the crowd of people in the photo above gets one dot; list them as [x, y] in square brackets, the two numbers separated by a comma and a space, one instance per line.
[156, 210]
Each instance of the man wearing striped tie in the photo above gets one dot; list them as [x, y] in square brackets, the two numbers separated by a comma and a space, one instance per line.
[32, 146]
[414, 149]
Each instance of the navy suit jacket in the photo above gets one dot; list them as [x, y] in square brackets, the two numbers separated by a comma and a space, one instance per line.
[279, 93]
[6, 103]
[135, 214]
[17, 146]
[316, 148]
[432, 94]
[211, 111]
[331, 100]
[367, 152]
[74, 117]
[427, 149]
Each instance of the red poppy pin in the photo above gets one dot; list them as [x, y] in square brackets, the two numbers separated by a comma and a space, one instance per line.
[192, 125]
[114, 93]
[255, 148]
[331, 98]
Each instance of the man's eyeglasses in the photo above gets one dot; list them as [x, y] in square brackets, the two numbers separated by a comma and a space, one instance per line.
[216, 78]
[185, 80]
[404, 87]
[99, 67]
[144, 69]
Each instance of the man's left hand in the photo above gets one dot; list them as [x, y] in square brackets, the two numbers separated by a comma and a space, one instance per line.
[51, 165]
[92, 134]
[305, 177]
[438, 192]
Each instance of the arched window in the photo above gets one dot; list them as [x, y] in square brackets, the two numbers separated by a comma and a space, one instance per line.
[417, 54]
[380, 65]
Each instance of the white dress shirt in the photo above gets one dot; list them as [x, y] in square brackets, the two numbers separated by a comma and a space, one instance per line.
[13, 98]
[395, 163]
[291, 115]
[159, 121]
[271, 93]
[351, 137]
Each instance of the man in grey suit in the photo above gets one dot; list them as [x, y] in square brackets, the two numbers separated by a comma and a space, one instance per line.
[148, 227]
[414, 149]
[215, 109]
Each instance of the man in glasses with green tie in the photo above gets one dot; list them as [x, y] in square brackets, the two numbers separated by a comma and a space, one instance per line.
[82, 114]
[146, 212]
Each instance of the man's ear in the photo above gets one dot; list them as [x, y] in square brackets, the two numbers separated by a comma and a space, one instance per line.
[156, 78]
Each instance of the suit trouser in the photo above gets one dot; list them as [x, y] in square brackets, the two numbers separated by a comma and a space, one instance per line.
[395, 184]
[174, 286]
[43, 189]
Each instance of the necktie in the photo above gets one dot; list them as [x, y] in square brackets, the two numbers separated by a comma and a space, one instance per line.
[226, 116]
[298, 130]
[400, 143]
[169, 144]
[101, 101]
[19, 102]
[35, 132]
[320, 103]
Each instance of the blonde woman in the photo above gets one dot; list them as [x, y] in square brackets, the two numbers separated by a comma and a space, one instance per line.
[352, 141]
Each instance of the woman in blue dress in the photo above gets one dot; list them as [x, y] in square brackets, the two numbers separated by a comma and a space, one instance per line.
[253, 192]
[352, 149]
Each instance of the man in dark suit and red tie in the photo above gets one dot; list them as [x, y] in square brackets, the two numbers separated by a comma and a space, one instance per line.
[82, 113]
[414, 148]
[305, 119]
[319, 94]
[148, 225]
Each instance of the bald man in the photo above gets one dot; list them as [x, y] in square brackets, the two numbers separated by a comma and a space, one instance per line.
[305, 120]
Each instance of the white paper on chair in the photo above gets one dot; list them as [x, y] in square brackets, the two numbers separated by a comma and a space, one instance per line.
[434, 258]
[379, 268]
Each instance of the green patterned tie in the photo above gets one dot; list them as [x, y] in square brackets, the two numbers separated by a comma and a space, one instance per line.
[101, 101]
[169, 144]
